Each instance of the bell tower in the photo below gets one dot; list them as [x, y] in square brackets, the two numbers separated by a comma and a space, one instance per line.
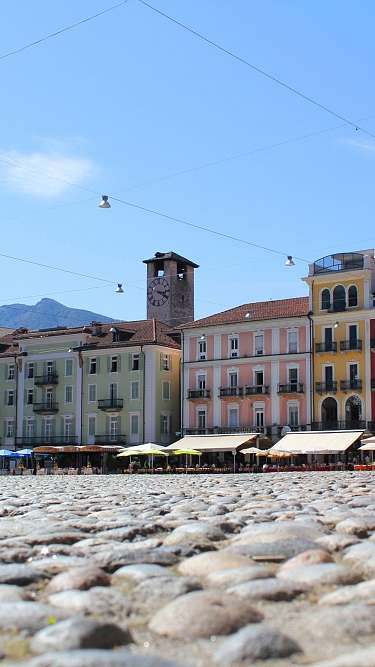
[170, 288]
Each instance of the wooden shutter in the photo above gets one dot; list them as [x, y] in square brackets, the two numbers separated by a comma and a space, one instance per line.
[5, 397]
[119, 363]
[107, 422]
[130, 361]
[161, 361]
[141, 361]
[170, 361]
[108, 364]
[119, 425]
[97, 365]
[5, 371]
[24, 427]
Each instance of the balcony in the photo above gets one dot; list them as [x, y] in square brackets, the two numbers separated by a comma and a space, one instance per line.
[326, 347]
[198, 393]
[39, 440]
[257, 389]
[326, 387]
[226, 392]
[354, 344]
[110, 439]
[339, 425]
[347, 385]
[111, 404]
[46, 379]
[46, 408]
[291, 388]
[347, 261]
[222, 430]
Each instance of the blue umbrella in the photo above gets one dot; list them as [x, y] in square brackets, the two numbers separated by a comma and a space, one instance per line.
[25, 452]
[6, 452]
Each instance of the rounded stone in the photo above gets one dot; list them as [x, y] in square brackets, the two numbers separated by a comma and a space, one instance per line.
[238, 575]
[139, 572]
[78, 578]
[212, 561]
[78, 632]
[203, 614]
[310, 557]
[268, 589]
[255, 642]
[195, 530]
[325, 574]
[96, 658]
[18, 574]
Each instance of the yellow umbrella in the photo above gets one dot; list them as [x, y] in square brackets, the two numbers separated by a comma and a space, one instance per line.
[125, 453]
[187, 452]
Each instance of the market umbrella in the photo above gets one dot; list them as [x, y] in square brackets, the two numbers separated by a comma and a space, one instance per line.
[144, 450]
[187, 452]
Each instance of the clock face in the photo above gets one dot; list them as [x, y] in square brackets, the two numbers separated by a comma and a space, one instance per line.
[158, 291]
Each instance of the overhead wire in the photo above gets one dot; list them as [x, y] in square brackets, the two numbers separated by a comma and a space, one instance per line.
[72, 26]
[259, 70]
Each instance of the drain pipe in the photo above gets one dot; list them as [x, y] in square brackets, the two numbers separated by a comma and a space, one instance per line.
[311, 321]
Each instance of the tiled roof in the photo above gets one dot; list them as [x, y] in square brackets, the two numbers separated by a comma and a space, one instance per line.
[260, 310]
[97, 335]
[170, 255]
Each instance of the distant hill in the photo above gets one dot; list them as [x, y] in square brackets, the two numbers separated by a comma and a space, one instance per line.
[46, 313]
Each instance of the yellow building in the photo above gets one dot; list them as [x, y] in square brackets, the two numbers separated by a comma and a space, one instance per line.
[341, 307]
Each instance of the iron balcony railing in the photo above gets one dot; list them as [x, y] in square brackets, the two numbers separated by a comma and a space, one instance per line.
[230, 391]
[257, 389]
[346, 261]
[36, 440]
[346, 385]
[46, 408]
[291, 388]
[222, 430]
[339, 425]
[199, 393]
[326, 387]
[110, 439]
[111, 404]
[326, 347]
[46, 378]
[355, 344]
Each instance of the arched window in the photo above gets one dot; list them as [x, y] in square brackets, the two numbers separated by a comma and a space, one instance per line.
[339, 298]
[352, 296]
[325, 299]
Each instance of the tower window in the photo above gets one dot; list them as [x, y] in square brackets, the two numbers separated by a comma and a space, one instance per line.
[325, 299]
[352, 296]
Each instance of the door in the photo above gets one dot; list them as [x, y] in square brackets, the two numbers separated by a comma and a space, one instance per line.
[328, 339]
[328, 377]
[113, 428]
[353, 336]
[259, 381]
[113, 392]
[353, 375]
[259, 419]
[233, 417]
[293, 379]
[233, 380]
[329, 413]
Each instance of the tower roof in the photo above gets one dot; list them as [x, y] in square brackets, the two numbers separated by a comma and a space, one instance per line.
[170, 255]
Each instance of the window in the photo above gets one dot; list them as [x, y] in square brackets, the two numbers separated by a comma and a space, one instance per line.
[233, 379]
[114, 364]
[233, 417]
[201, 381]
[233, 346]
[135, 362]
[202, 349]
[10, 397]
[49, 367]
[68, 427]
[92, 367]
[328, 377]
[259, 343]
[293, 378]
[259, 417]
[353, 373]
[113, 427]
[30, 397]
[292, 341]
[48, 428]
[259, 378]
[325, 299]
[92, 393]
[201, 419]
[10, 428]
[68, 367]
[339, 298]
[134, 390]
[166, 391]
[11, 371]
[30, 370]
[92, 425]
[165, 362]
[352, 296]
[293, 416]
[134, 424]
[49, 398]
[30, 428]
[353, 334]
[68, 394]
[165, 424]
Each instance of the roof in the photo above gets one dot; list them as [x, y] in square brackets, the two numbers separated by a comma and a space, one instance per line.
[314, 442]
[170, 255]
[259, 310]
[97, 335]
[214, 443]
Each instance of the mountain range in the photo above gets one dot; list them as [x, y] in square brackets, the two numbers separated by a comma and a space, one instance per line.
[47, 313]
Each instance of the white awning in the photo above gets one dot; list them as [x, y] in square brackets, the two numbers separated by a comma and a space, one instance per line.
[317, 442]
[368, 446]
[214, 443]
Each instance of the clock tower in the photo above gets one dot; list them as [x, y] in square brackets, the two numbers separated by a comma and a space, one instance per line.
[170, 288]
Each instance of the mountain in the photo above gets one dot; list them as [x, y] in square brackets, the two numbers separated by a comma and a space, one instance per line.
[46, 313]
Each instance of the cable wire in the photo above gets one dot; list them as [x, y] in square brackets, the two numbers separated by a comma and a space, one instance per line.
[259, 70]
[58, 268]
[62, 30]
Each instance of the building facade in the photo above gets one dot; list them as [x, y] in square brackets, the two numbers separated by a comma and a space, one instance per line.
[342, 305]
[248, 368]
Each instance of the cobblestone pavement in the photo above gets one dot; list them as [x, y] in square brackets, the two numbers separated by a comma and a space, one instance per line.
[201, 571]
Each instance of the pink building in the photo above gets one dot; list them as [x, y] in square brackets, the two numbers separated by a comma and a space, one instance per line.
[248, 368]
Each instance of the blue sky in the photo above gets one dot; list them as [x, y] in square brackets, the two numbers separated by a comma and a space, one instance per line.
[121, 103]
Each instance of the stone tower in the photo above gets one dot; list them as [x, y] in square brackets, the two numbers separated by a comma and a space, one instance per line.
[170, 288]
